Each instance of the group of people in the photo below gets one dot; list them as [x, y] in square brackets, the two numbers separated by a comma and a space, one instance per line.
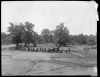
[56, 49]
[25, 47]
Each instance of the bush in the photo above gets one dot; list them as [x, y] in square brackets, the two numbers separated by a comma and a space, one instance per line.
[93, 47]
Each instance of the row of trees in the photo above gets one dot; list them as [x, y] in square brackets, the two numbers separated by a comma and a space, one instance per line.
[83, 39]
[24, 33]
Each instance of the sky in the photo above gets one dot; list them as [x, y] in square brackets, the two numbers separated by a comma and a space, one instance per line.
[79, 17]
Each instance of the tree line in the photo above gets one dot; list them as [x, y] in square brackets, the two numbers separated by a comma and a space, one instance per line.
[60, 36]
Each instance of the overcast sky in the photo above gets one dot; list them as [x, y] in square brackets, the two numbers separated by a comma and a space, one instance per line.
[79, 17]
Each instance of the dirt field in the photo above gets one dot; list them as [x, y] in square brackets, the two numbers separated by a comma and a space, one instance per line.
[40, 63]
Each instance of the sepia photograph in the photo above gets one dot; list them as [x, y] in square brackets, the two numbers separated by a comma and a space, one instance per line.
[49, 38]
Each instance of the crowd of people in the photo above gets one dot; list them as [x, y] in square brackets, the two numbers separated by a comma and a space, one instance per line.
[44, 49]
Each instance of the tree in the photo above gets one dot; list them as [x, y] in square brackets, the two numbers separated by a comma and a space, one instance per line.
[91, 40]
[16, 33]
[72, 39]
[61, 34]
[51, 37]
[8, 39]
[45, 34]
[28, 34]
[40, 39]
[96, 39]
[22, 33]
[81, 39]
[5, 38]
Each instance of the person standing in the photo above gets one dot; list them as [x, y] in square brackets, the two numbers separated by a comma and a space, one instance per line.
[69, 50]
[25, 47]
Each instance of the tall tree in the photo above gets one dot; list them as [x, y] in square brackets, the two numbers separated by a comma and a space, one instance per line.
[28, 35]
[15, 32]
[22, 33]
[61, 34]
[46, 35]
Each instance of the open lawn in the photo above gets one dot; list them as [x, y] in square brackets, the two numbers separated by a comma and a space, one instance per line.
[42, 63]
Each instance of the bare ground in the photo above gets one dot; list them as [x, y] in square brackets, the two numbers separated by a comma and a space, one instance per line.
[38, 63]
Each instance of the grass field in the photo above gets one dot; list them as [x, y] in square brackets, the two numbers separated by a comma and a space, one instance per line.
[41, 63]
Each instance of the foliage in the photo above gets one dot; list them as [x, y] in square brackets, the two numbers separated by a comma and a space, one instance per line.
[5, 38]
[51, 37]
[22, 33]
[40, 39]
[61, 34]
[15, 32]
[28, 35]
[91, 40]
[46, 35]
[83, 39]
